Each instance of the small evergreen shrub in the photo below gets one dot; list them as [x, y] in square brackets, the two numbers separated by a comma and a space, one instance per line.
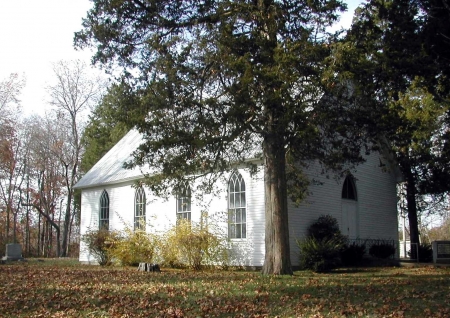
[133, 247]
[320, 250]
[352, 255]
[326, 227]
[382, 250]
[99, 244]
[319, 255]
[425, 253]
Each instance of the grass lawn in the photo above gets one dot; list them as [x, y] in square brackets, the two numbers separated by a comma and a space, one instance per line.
[68, 289]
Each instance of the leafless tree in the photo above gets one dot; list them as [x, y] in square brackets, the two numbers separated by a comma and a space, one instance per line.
[9, 95]
[11, 148]
[47, 175]
[12, 169]
[73, 94]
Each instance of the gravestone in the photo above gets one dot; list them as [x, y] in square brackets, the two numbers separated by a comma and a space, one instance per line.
[441, 251]
[148, 267]
[13, 252]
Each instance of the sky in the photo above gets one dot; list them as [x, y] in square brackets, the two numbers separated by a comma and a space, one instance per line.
[34, 34]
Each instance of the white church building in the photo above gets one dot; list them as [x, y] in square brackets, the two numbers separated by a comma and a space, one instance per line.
[364, 203]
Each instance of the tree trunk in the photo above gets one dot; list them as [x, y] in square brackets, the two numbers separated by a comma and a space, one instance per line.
[277, 258]
[7, 223]
[39, 240]
[70, 230]
[27, 228]
[58, 242]
[412, 213]
[15, 227]
[43, 238]
[67, 219]
[49, 223]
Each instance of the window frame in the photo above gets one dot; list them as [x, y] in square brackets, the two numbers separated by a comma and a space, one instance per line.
[237, 207]
[140, 209]
[349, 189]
[184, 202]
[103, 215]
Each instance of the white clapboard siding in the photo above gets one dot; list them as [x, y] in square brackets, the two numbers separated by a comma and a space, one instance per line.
[161, 214]
[376, 204]
[376, 207]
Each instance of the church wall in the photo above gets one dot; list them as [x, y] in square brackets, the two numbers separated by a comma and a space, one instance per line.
[161, 214]
[376, 203]
[376, 209]
[377, 200]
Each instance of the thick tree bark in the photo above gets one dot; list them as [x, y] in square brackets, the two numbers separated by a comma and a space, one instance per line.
[277, 258]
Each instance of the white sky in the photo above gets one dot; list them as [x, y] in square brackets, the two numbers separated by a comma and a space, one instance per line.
[34, 34]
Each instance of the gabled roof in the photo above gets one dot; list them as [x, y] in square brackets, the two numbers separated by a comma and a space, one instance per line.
[109, 169]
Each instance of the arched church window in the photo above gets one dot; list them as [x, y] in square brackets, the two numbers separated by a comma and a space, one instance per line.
[139, 209]
[237, 223]
[349, 189]
[184, 203]
[104, 211]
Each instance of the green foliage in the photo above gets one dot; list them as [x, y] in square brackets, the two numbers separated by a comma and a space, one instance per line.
[320, 250]
[319, 255]
[352, 255]
[382, 250]
[99, 243]
[218, 82]
[325, 227]
[133, 247]
[107, 124]
[193, 245]
[397, 64]
[425, 253]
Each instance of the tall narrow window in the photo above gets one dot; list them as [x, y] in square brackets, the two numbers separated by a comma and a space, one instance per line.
[104, 211]
[237, 227]
[349, 189]
[139, 209]
[184, 203]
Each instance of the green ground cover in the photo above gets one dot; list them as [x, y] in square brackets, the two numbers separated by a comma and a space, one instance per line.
[68, 289]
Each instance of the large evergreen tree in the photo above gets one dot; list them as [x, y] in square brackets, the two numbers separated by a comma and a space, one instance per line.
[217, 81]
[393, 57]
[107, 124]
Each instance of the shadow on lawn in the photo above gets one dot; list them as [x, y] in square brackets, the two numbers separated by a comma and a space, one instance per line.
[109, 292]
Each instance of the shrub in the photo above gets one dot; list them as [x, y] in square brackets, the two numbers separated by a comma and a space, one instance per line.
[425, 253]
[382, 250]
[133, 247]
[320, 250]
[193, 245]
[168, 251]
[319, 255]
[352, 255]
[326, 227]
[99, 243]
